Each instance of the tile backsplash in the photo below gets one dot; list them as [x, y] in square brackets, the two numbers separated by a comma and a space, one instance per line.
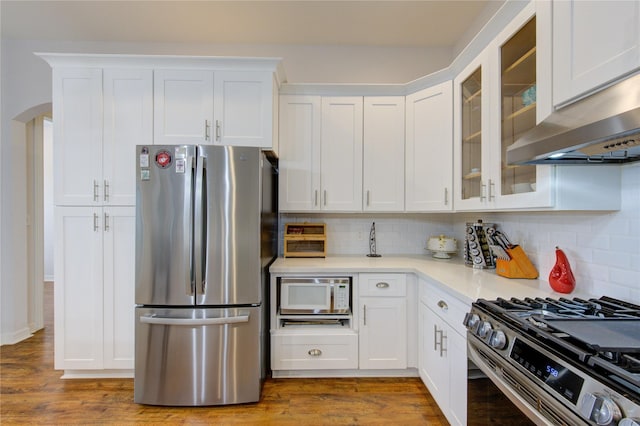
[603, 247]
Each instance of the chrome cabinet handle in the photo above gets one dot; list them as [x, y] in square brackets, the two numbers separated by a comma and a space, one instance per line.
[106, 190]
[217, 130]
[446, 196]
[443, 305]
[106, 222]
[382, 284]
[364, 314]
[443, 337]
[207, 128]
[96, 226]
[96, 185]
[483, 187]
[492, 188]
[315, 198]
[325, 197]
[368, 198]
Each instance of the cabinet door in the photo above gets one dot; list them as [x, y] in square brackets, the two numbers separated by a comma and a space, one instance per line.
[433, 366]
[429, 149]
[78, 297]
[594, 42]
[383, 333]
[456, 346]
[383, 154]
[128, 121]
[243, 108]
[77, 131]
[341, 154]
[299, 162]
[518, 84]
[471, 135]
[183, 106]
[119, 286]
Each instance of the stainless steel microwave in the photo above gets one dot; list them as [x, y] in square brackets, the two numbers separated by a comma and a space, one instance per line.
[319, 296]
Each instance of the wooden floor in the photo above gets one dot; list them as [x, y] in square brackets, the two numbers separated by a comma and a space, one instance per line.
[33, 393]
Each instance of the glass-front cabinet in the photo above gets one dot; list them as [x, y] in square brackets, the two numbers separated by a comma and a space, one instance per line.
[471, 101]
[518, 105]
[496, 100]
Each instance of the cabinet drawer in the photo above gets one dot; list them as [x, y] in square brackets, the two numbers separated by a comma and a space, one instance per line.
[382, 285]
[447, 307]
[314, 352]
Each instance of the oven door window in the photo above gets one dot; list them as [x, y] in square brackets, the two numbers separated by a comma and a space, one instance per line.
[306, 296]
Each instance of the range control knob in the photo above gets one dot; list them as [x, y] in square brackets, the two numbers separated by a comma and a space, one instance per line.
[498, 340]
[484, 329]
[628, 421]
[470, 320]
[600, 409]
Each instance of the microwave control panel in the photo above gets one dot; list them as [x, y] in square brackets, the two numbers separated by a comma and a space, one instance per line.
[341, 296]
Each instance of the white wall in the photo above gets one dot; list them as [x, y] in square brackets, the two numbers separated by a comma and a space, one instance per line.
[603, 248]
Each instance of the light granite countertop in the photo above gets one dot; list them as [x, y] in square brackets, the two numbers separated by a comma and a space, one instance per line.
[463, 282]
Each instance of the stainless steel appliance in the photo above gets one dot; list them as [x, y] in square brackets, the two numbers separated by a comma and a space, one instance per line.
[315, 296]
[206, 231]
[599, 129]
[562, 362]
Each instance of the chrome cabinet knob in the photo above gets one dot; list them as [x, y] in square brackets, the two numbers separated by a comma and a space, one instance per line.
[315, 352]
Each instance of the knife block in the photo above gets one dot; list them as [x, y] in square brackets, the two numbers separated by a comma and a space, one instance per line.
[519, 266]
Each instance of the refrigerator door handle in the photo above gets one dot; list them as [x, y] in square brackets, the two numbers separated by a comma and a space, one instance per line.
[152, 319]
[198, 228]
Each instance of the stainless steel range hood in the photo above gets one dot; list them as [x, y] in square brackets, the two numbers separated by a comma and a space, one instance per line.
[602, 128]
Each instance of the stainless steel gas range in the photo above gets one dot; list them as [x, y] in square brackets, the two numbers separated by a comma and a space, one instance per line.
[561, 361]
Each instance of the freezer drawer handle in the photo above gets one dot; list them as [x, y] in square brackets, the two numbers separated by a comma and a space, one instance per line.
[152, 319]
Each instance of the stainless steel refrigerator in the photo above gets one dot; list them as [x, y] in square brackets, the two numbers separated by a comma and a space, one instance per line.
[206, 229]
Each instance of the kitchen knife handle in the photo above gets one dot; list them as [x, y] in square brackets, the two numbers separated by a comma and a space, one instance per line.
[152, 319]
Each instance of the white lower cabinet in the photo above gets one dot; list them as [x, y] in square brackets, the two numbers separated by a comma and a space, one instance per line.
[442, 361]
[315, 350]
[94, 291]
[383, 321]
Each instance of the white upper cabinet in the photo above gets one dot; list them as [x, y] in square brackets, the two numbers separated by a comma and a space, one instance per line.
[183, 106]
[341, 154]
[594, 43]
[383, 154]
[221, 107]
[299, 163]
[471, 113]
[243, 108]
[429, 149]
[99, 117]
[77, 132]
[128, 121]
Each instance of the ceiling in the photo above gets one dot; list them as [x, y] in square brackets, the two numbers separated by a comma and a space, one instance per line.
[364, 23]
